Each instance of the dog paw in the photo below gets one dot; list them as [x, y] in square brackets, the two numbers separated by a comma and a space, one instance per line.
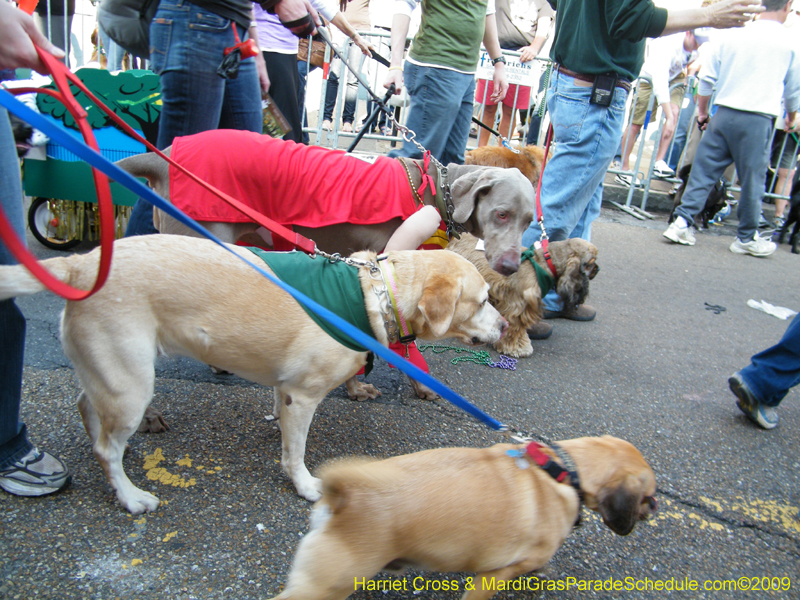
[360, 391]
[520, 350]
[310, 488]
[138, 502]
[153, 422]
[423, 391]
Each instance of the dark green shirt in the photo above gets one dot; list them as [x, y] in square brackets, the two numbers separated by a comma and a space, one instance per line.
[605, 36]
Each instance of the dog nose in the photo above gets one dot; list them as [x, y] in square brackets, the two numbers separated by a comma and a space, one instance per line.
[503, 326]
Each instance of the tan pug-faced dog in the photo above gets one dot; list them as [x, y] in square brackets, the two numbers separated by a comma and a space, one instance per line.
[187, 296]
[461, 509]
[518, 296]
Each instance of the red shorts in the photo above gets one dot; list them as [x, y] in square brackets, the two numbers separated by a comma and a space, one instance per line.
[523, 97]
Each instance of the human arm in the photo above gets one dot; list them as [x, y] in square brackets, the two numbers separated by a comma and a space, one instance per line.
[294, 10]
[528, 53]
[18, 33]
[261, 66]
[415, 230]
[401, 21]
[345, 27]
[720, 15]
[492, 45]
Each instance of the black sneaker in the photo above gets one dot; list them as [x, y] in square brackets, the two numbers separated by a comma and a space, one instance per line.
[35, 474]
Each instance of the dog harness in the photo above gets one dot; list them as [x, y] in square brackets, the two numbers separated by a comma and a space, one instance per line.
[292, 183]
[543, 277]
[333, 284]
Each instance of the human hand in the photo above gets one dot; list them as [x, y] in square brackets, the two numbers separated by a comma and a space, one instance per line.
[365, 47]
[499, 83]
[18, 33]
[395, 76]
[263, 76]
[702, 121]
[527, 54]
[732, 13]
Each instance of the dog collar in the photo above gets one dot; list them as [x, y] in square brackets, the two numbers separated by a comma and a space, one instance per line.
[534, 451]
[405, 335]
[546, 281]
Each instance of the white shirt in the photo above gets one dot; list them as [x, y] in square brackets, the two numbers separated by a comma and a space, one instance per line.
[666, 59]
[752, 68]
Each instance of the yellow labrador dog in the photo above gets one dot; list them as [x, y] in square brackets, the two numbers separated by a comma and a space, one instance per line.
[188, 296]
[490, 511]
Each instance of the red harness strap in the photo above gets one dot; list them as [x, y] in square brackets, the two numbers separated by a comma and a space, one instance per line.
[540, 215]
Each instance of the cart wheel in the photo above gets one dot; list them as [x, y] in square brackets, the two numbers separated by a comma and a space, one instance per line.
[44, 227]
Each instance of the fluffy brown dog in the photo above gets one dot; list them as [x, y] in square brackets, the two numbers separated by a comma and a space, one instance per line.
[518, 297]
[528, 160]
[461, 509]
[190, 297]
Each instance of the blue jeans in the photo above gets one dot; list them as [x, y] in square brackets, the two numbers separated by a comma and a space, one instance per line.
[187, 45]
[682, 130]
[586, 137]
[13, 438]
[773, 372]
[114, 52]
[440, 112]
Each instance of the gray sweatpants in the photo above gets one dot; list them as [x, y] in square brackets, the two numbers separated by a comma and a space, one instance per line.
[732, 136]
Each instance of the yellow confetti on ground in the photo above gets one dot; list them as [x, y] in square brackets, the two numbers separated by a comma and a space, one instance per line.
[141, 521]
[185, 462]
[169, 536]
[151, 460]
[135, 562]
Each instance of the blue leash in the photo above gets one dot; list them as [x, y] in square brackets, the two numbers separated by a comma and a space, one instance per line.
[98, 161]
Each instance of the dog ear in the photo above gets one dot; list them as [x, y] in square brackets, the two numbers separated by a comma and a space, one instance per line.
[619, 507]
[573, 283]
[438, 303]
[466, 190]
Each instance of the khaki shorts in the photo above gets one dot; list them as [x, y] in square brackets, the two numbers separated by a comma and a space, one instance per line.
[643, 99]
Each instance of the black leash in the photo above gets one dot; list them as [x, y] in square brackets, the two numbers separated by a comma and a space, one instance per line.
[503, 139]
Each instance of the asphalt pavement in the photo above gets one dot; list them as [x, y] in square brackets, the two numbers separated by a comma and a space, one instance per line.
[652, 368]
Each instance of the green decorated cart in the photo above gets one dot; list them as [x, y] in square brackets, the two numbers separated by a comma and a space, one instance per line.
[63, 209]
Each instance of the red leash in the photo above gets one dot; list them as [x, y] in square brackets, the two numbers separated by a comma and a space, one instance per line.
[62, 76]
[544, 243]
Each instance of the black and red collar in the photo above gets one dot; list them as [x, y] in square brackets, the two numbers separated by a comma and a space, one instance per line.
[555, 470]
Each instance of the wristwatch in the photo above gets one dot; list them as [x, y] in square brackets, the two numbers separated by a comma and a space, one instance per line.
[499, 59]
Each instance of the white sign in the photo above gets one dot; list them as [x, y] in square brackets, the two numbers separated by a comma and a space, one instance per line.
[526, 74]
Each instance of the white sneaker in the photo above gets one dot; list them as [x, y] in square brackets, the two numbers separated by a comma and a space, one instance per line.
[759, 246]
[680, 232]
[625, 180]
[661, 169]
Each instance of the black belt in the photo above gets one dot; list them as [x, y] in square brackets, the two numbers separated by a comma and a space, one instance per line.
[623, 83]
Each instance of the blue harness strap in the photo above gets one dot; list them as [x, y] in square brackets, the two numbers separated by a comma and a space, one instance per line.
[96, 160]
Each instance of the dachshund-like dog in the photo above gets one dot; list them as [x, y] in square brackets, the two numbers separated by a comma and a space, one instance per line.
[518, 297]
[491, 511]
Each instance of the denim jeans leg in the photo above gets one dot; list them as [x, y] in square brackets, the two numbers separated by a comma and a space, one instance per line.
[436, 96]
[586, 138]
[776, 370]
[13, 438]
[187, 46]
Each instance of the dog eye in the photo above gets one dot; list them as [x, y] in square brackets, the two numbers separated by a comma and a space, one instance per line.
[502, 215]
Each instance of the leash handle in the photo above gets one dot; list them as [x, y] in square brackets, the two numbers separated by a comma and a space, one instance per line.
[62, 76]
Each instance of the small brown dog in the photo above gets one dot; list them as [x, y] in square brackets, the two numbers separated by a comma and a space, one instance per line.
[518, 297]
[528, 160]
[462, 509]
